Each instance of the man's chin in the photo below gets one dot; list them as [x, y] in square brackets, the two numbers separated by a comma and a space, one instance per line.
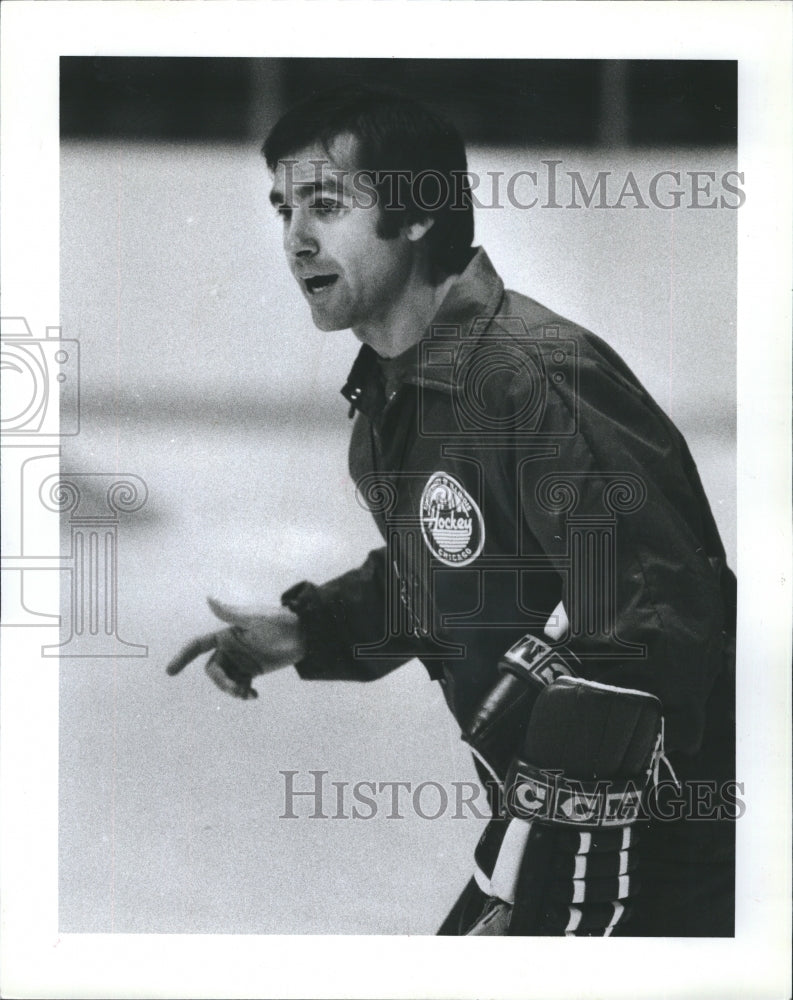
[328, 323]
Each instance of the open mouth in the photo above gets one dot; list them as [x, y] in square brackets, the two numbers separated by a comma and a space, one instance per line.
[319, 283]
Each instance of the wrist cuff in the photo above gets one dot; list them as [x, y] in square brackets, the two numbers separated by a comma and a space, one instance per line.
[325, 655]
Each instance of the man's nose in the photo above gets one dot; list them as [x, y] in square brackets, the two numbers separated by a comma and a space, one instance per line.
[301, 240]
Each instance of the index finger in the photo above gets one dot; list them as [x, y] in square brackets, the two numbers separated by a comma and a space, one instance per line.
[202, 644]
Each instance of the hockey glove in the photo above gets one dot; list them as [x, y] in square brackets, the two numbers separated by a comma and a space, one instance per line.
[499, 724]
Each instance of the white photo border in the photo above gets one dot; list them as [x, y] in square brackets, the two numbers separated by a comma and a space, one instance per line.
[36, 960]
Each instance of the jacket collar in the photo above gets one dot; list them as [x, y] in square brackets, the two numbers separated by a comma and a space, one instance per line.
[475, 296]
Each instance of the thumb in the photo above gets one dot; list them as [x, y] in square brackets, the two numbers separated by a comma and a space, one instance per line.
[235, 614]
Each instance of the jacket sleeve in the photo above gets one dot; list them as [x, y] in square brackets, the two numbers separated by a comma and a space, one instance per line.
[344, 624]
[617, 507]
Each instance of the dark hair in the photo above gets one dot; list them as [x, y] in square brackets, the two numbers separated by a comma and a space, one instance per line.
[415, 159]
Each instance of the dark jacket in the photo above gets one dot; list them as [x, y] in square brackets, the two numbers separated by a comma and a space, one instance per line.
[512, 461]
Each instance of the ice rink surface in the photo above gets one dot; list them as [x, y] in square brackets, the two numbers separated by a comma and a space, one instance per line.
[201, 373]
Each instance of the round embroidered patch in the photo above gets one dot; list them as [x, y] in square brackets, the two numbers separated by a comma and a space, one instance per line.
[451, 522]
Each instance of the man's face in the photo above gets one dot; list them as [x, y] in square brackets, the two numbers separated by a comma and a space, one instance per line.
[350, 276]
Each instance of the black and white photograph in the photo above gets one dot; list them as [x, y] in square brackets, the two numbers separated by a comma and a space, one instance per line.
[396, 499]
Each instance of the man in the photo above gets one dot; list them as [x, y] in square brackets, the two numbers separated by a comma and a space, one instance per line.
[549, 552]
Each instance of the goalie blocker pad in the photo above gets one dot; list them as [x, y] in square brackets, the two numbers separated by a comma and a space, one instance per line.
[587, 755]
[598, 744]
[593, 731]
[574, 794]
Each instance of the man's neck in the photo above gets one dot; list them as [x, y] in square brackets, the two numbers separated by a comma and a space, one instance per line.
[407, 320]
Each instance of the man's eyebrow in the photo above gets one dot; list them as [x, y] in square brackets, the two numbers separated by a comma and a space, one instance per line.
[306, 189]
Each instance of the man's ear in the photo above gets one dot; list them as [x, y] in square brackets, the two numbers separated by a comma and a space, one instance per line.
[416, 230]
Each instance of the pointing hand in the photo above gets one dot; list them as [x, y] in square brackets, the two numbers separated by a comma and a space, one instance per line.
[258, 641]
